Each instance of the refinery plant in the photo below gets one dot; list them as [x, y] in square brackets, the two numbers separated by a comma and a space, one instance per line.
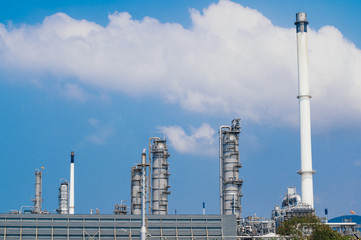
[147, 217]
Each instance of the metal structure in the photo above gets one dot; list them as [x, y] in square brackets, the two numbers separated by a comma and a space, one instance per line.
[120, 209]
[160, 177]
[230, 184]
[63, 198]
[71, 195]
[257, 227]
[38, 183]
[346, 229]
[304, 98]
[291, 198]
[136, 199]
[292, 206]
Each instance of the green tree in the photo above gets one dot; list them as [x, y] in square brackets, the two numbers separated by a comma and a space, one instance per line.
[308, 227]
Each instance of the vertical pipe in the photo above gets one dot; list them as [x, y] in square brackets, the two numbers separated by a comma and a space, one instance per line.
[304, 97]
[221, 166]
[144, 170]
[234, 204]
[149, 174]
[204, 208]
[71, 195]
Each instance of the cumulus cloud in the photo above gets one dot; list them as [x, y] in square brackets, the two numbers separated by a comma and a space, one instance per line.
[101, 131]
[73, 91]
[232, 60]
[200, 140]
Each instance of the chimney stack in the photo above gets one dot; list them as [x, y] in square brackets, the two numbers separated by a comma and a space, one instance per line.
[71, 192]
[304, 98]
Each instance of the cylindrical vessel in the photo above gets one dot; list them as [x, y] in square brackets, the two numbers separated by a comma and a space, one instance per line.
[231, 184]
[160, 177]
[63, 198]
[304, 97]
[71, 194]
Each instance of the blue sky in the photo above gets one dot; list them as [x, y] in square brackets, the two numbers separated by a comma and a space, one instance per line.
[101, 77]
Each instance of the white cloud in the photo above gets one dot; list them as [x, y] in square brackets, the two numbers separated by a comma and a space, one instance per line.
[232, 60]
[101, 131]
[73, 91]
[200, 141]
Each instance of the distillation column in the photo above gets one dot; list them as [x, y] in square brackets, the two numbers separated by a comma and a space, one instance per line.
[37, 200]
[63, 198]
[160, 177]
[136, 198]
[304, 98]
[229, 170]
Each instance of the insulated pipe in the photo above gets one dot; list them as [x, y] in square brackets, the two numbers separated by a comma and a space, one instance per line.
[304, 98]
[71, 192]
[144, 170]
[150, 171]
[221, 166]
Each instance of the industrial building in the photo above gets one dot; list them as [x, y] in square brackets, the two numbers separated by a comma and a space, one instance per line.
[110, 227]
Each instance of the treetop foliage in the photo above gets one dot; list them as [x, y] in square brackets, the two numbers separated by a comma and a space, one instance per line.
[308, 227]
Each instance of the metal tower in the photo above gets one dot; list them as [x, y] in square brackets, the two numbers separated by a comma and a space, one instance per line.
[230, 184]
[38, 183]
[160, 177]
[63, 198]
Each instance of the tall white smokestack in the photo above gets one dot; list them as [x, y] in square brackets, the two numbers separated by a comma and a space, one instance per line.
[71, 192]
[304, 98]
